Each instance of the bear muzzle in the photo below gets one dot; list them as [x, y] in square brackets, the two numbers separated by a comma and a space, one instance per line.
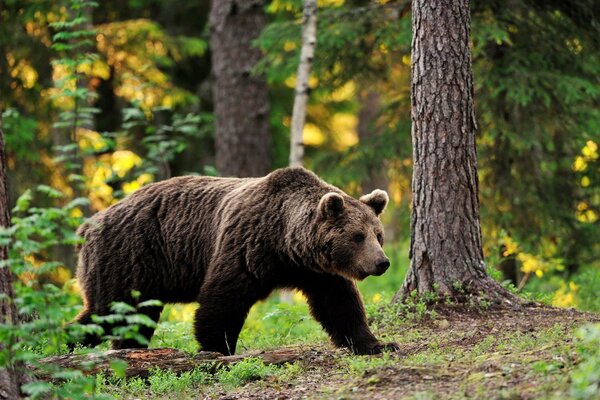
[381, 267]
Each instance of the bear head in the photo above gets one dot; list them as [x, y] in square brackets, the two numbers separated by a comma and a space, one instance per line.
[351, 234]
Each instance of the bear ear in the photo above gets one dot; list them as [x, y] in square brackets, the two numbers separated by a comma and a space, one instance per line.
[377, 200]
[331, 204]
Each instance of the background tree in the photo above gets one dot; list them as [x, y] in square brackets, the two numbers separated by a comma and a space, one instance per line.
[243, 141]
[446, 250]
[12, 376]
[307, 52]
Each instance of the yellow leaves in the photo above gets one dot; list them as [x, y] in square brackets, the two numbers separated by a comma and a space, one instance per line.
[299, 297]
[590, 150]
[107, 167]
[377, 297]
[136, 50]
[565, 296]
[289, 45]
[579, 164]
[531, 264]
[96, 68]
[406, 59]
[22, 70]
[344, 93]
[143, 179]
[585, 181]
[123, 161]
[281, 5]
[60, 274]
[312, 135]
[585, 214]
[344, 127]
[510, 246]
[589, 153]
[395, 190]
[290, 82]
[76, 213]
[91, 140]
[182, 312]
[330, 3]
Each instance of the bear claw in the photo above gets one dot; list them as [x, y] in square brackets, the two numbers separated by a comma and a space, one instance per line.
[381, 347]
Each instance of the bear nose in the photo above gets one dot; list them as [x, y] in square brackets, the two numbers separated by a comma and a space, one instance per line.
[383, 266]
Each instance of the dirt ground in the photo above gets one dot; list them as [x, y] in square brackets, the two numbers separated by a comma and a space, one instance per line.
[458, 354]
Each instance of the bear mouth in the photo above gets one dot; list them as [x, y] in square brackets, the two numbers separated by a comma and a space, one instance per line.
[362, 275]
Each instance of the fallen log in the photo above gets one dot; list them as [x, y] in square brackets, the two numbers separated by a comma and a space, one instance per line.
[140, 362]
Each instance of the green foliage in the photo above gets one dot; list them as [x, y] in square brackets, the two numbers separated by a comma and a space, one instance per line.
[249, 369]
[166, 381]
[19, 133]
[585, 379]
[164, 140]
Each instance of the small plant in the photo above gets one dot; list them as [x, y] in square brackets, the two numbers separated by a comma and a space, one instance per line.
[358, 365]
[585, 379]
[250, 369]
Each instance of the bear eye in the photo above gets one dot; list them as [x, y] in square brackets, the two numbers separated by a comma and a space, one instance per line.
[380, 238]
[359, 238]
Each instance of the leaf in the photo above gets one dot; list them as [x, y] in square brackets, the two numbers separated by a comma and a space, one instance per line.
[23, 202]
[140, 319]
[150, 303]
[36, 389]
[120, 307]
[119, 368]
[51, 192]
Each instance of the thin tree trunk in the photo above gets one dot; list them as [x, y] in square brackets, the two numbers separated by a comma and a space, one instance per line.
[11, 377]
[307, 51]
[446, 251]
[243, 140]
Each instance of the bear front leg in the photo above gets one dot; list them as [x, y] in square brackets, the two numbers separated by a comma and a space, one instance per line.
[224, 305]
[335, 302]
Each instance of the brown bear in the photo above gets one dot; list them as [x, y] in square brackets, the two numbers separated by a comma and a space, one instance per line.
[228, 243]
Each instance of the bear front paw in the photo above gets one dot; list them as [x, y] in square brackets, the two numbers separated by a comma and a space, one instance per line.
[376, 348]
[381, 347]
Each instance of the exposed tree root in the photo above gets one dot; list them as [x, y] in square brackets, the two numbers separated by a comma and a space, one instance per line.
[484, 291]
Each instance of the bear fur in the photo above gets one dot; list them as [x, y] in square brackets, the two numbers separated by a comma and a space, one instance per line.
[228, 243]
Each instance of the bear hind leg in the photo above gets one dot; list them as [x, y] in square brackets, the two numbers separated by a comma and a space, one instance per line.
[88, 339]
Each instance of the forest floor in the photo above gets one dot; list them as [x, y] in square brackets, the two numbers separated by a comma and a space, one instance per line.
[454, 353]
[457, 354]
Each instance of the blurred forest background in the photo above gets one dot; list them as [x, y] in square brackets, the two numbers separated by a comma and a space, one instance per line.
[98, 101]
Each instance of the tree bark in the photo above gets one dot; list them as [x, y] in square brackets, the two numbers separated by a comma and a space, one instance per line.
[446, 251]
[243, 140]
[140, 362]
[307, 52]
[11, 377]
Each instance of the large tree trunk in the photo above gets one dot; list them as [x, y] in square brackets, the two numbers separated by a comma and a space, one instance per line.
[446, 250]
[243, 141]
[11, 377]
